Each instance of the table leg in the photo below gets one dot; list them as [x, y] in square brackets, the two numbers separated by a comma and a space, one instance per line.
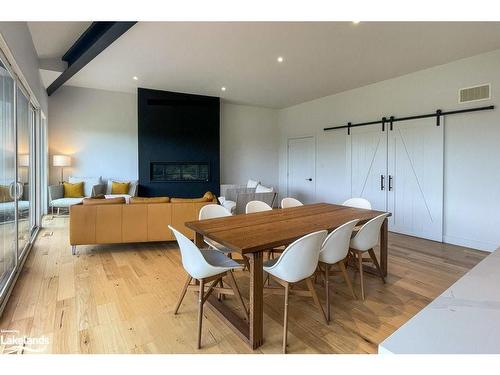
[383, 246]
[256, 333]
[198, 240]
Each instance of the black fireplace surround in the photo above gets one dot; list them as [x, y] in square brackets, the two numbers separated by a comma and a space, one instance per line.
[179, 150]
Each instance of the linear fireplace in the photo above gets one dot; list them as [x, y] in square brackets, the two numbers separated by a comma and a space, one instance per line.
[179, 171]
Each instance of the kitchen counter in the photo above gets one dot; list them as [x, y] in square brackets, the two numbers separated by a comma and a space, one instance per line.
[464, 319]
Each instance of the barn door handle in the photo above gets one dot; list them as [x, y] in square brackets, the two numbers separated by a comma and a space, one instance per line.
[309, 179]
[382, 178]
[390, 182]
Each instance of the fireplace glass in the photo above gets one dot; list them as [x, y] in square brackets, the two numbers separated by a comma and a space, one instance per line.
[180, 172]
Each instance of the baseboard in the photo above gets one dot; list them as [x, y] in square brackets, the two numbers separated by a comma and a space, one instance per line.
[479, 245]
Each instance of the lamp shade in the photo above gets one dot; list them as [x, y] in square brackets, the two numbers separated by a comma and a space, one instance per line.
[61, 161]
[24, 160]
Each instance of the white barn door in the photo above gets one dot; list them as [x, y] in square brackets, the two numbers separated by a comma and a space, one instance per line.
[415, 171]
[301, 169]
[367, 163]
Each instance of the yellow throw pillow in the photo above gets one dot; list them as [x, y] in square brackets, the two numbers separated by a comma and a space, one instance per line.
[5, 194]
[120, 187]
[73, 190]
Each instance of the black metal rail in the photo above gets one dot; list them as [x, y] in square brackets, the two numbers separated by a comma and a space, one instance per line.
[390, 120]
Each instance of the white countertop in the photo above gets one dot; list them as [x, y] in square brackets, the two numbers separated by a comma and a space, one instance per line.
[464, 319]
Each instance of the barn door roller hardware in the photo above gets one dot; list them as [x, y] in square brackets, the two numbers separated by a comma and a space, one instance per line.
[438, 114]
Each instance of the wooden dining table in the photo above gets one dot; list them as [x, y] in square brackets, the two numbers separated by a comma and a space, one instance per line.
[253, 234]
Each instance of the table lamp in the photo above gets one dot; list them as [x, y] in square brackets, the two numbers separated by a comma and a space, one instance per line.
[24, 160]
[61, 161]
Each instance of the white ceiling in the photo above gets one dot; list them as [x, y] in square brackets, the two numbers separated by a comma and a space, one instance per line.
[320, 58]
[53, 39]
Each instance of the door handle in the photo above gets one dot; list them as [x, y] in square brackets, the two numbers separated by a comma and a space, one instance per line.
[19, 190]
[382, 178]
[309, 179]
[390, 182]
[12, 190]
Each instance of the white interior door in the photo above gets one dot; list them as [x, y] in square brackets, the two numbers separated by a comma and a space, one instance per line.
[415, 167]
[367, 163]
[301, 167]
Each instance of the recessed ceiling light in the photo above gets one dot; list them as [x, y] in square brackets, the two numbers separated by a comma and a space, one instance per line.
[223, 88]
[135, 78]
[355, 22]
[280, 59]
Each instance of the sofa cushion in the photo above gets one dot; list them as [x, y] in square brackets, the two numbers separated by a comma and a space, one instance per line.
[8, 209]
[92, 201]
[143, 200]
[73, 190]
[65, 202]
[88, 183]
[125, 196]
[119, 187]
[207, 197]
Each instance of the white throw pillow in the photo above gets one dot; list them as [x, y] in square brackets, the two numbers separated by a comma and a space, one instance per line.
[263, 189]
[88, 183]
[252, 183]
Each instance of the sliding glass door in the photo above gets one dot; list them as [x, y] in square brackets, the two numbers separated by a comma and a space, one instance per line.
[19, 168]
[24, 120]
[8, 228]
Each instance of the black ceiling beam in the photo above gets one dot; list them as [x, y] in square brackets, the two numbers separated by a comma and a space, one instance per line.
[91, 43]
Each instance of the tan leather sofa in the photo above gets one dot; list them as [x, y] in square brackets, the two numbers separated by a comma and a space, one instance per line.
[123, 223]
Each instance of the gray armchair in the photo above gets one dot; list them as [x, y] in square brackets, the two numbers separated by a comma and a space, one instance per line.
[235, 197]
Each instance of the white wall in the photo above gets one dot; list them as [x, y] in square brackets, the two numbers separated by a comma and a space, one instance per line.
[249, 139]
[100, 128]
[472, 141]
[97, 128]
[18, 38]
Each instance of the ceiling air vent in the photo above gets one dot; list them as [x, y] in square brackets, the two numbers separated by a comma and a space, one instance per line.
[474, 93]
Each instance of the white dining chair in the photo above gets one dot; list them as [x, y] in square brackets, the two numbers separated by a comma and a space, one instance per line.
[213, 211]
[290, 202]
[257, 206]
[366, 238]
[206, 266]
[334, 251]
[358, 203]
[297, 263]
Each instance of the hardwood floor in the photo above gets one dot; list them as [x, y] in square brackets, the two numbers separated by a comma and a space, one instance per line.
[120, 299]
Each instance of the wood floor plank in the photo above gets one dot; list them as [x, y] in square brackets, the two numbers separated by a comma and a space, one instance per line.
[120, 299]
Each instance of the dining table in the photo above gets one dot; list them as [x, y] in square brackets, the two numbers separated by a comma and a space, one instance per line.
[252, 235]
